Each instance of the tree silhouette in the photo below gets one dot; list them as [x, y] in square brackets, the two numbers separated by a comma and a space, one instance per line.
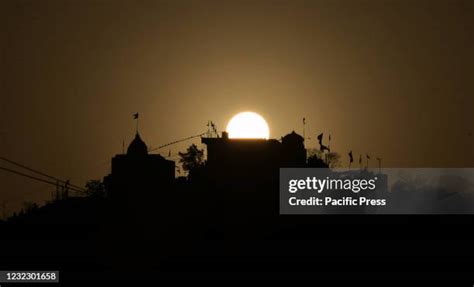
[315, 158]
[334, 159]
[192, 159]
[95, 188]
[29, 207]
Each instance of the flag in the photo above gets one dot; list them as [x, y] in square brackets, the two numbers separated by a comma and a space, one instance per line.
[320, 138]
[350, 157]
[135, 116]
[368, 157]
[323, 148]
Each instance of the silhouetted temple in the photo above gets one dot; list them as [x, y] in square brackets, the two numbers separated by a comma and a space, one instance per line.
[138, 174]
[242, 161]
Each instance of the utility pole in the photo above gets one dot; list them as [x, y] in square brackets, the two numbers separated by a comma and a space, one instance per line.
[66, 189]
[58, 191]
[4, 210]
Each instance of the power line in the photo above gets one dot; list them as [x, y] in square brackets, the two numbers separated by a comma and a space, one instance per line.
[40, 173]
[175, 142]
[37, 178]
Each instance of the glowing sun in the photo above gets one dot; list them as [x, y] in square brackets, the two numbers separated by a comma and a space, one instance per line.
[248, 125]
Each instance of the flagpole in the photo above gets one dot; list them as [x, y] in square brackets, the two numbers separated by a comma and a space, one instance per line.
[135, 116]
[304, 132]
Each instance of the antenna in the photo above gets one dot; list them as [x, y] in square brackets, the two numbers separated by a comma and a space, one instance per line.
[211, 130]
[214, 130]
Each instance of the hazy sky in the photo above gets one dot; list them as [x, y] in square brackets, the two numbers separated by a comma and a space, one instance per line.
[392, 78]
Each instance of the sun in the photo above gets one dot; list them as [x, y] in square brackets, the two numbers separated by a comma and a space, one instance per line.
[247, 125]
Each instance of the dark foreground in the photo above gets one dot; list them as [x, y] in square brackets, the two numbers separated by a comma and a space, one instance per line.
[102, 245]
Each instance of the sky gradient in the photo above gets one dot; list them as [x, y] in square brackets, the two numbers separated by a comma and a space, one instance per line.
[390, 78]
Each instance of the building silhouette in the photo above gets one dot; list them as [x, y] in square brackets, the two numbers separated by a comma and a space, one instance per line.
[137, 178]
[243, 163]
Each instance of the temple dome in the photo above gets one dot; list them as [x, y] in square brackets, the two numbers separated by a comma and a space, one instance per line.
[292, 138]
[137, 147]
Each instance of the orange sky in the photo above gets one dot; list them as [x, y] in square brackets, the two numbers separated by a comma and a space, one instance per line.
[392, 78]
